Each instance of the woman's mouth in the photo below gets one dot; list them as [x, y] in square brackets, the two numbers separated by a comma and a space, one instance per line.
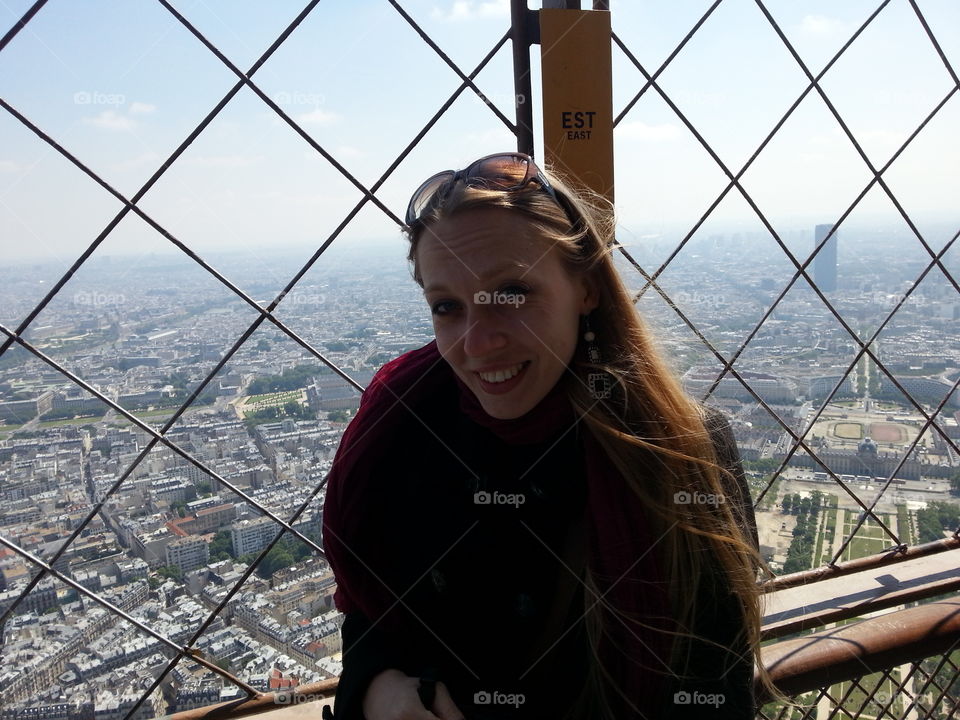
[503, 380]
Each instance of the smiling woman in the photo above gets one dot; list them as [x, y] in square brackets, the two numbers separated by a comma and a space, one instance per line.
[528, 518]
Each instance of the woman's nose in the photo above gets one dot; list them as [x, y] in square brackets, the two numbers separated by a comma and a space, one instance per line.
[485, 332]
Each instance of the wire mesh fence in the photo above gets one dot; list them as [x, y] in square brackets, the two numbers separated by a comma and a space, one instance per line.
[825, 443]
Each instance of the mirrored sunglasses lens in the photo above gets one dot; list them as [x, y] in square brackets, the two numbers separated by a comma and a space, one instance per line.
[426, 193]
[503, 172]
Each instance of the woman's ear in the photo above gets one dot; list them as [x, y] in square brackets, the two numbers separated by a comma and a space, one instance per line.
[591, 292]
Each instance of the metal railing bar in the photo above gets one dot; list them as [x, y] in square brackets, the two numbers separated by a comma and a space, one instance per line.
[279, 111]
[893, 556]
[180, 244]
[180, 650]
[523, 25]
[453, 66]
[152, 180]
[21, 23]
[936, 45]
[646, 86]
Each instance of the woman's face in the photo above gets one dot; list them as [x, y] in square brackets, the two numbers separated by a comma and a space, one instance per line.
[505, 307]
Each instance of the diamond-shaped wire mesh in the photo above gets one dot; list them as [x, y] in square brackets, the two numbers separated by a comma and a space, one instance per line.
[719, 368]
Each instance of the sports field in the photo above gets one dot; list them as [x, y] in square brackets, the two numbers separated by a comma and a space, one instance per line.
[887, 432]
[848, 430]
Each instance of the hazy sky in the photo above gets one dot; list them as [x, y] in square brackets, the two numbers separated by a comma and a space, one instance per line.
[122, 83]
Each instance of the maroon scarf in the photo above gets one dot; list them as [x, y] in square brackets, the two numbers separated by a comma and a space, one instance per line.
[622, 557]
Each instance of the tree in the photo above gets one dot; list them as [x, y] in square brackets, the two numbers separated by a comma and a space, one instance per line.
[291, 408]
[221, 547]
[787, 502]
[955, 484]
[170, 571]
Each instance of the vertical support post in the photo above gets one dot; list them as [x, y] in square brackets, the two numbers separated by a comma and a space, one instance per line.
[577, 96]
[521, 33]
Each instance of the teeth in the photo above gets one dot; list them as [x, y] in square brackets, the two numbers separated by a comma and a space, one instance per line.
[502, 375]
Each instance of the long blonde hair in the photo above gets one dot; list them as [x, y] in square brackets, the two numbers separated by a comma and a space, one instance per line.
[650, 417]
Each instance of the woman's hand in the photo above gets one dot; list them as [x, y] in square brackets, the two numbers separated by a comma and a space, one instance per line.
[392, 695]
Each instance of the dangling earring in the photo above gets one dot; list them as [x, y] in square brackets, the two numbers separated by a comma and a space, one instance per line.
[600, 383]
[593, 350]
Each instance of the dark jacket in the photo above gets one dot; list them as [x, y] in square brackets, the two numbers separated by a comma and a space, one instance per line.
[484, 587]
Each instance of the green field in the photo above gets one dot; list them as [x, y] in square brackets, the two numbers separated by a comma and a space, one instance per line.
[870, 538]
[253, 403]
[848, 430]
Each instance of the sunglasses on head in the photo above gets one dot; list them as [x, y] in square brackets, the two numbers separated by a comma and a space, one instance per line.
[503, 171]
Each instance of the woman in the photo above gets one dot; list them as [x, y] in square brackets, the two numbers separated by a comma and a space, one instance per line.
[528, 518]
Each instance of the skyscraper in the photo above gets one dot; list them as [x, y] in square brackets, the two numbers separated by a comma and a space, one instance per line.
[825, 263]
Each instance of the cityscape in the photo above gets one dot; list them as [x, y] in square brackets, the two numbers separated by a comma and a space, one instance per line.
[183, 520]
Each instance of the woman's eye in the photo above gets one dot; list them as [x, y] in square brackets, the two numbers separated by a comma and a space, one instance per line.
[515, 290]
[442, 307]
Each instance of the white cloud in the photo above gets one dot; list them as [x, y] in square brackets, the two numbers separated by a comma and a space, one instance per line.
[642, 131]
[111, 120]
[820, 25]
[317, 117]
[8, 166]
[139, 108]
[462, 10]
[348, 151]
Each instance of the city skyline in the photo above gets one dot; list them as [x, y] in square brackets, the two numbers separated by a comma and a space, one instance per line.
[248, 178]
